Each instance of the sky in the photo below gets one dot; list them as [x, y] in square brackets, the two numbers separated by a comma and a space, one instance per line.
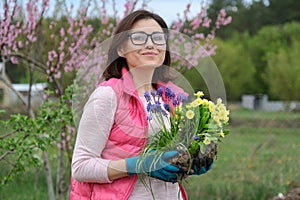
[167, 9]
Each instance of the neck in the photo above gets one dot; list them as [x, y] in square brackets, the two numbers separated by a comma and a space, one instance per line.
[142, 77]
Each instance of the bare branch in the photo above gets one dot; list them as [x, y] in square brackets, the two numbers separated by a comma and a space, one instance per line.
[6, 153]
[30, 60]
[11, 171]
[20, 96]
[7, 135]
[34, 63]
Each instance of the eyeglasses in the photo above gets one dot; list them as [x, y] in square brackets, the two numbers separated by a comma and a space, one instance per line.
[141, 38]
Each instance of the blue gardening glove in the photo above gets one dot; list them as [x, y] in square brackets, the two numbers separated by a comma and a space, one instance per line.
[159, 168]
[201, 167]
[202, 170]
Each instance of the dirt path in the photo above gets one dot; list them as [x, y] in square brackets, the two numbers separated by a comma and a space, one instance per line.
[293, 194]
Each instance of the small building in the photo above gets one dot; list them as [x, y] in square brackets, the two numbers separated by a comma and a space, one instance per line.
[37, 93]
[261, 102]
[255, 102]
[8, 98]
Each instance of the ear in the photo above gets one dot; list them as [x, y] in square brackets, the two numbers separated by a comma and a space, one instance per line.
[120, 51]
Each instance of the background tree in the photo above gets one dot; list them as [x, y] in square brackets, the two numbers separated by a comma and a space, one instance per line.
[52, 49]
[236, 67]
[268, 41]
[283, 11]
[251, 16]
[282, 72]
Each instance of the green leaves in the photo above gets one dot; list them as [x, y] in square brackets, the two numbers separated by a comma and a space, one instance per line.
[25, 138]
[204, 117]
[202, 147]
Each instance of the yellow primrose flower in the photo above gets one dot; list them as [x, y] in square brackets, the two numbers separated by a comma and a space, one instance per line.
[190, 114]
[222, 134]
[205, 102]
[221, 108]
[211, 106]
[199, 101]
[226, 119]
[199, 94]
[206, 141]
[195, 103]
[219, 101]
[223, 114]
[215, 117]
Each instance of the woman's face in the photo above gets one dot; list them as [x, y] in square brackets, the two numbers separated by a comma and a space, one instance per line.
[145, 46]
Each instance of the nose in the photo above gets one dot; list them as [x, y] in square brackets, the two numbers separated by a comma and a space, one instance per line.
[149, 42]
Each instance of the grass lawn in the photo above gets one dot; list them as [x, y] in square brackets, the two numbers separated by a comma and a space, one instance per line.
[254, 162]
[258, 160]
[29, 186]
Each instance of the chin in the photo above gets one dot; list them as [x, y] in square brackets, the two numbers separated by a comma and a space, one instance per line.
[151, 65]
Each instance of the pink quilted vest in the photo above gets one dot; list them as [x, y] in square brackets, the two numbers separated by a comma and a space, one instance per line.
[127, 138]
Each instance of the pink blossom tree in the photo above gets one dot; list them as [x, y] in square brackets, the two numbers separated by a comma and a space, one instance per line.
[55, 48]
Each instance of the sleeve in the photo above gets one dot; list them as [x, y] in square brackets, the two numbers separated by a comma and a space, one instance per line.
[93, 132]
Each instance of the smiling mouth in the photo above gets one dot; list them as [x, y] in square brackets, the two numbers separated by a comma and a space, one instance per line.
[149, 54]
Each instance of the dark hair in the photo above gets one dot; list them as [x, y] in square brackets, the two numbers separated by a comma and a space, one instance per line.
[116, 63]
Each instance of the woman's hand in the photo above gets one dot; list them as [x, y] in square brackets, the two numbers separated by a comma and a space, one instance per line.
[154, 167]
[198, 170]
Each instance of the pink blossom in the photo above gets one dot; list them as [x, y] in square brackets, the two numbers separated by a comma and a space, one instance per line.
[14, 60]
[227, 21]
[177, 25]
[71, 22]
[199, 36]
[51, 55]
[187, 47]
[62, 32]
[61, 45]
[211, 50]
[70, 129]
[206, 22]
[31, 38]
[222, 12]
[20, 44]
[128, 7]
[105, 19]
[68, 138]
[211, 35]
[57, 75]
[61, 57]
[196, 22]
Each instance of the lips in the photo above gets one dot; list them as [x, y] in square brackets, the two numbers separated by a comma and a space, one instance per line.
[149, 54]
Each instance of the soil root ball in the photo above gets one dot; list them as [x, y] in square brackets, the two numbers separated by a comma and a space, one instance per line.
[183, 160]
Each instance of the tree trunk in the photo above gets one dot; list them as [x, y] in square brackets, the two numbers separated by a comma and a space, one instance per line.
[60, 183]
[48, 176]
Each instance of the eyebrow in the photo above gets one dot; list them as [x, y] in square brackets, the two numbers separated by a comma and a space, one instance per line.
[146, 32]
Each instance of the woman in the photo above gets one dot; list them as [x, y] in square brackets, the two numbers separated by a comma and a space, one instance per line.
[113, 127]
